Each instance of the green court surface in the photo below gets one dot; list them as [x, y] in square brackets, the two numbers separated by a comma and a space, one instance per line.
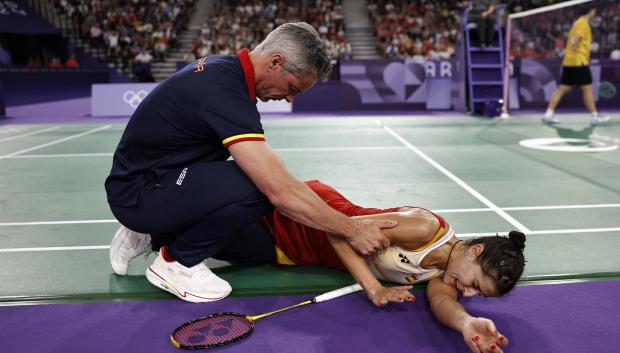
[55, 224]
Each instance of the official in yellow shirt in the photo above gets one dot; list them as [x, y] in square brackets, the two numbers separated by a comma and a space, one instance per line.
[576, 69]
[578, 44]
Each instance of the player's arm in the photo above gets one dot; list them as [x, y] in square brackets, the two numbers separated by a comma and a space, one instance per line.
[297, 201]
[574, 40]
[358, 268]
[416, 227]
[578, 34]
[479, 333]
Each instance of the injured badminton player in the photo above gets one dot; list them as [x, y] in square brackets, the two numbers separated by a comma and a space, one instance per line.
[423, 248]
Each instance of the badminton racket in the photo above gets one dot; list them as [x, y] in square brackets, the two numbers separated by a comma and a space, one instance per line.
[220, 329]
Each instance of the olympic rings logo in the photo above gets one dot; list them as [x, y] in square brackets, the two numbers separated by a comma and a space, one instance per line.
[134, 98]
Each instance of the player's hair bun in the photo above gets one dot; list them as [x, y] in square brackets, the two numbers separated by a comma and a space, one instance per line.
[518, 239]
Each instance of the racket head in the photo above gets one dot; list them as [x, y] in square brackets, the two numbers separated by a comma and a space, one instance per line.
[211, 331]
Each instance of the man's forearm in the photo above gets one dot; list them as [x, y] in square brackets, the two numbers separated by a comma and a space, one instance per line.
[297, 201]
[291, 196]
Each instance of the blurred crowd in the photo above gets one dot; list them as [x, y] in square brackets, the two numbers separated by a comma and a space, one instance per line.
[133, 31]
[544, 35]
[138, 32]
[419, 29]
[243, 24]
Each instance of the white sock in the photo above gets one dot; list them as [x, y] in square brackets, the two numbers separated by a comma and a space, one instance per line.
[549, 113]
[594, 114]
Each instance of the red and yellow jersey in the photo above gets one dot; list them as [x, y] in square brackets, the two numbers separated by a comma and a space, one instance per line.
[297, 244]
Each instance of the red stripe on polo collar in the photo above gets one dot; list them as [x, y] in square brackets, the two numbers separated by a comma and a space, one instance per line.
[248, 71]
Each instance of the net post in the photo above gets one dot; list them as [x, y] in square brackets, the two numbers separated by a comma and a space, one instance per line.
[510, 18]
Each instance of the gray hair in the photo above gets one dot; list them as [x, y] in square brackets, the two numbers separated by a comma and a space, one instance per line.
[303, 50]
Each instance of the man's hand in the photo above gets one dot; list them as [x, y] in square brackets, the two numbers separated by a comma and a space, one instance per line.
[481, 336]
[368, 237]
[381, 295]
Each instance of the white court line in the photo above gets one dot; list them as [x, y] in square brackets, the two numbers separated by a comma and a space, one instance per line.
[91, 131]
[543, 232]
[460, 182]
[64, 155]
[453, 210]
[48, 223]
[604, 205]
[29, 134]
[57, 248]
[460, 236]
[529, 208]
[362, 148]
[298, 149]
[463, 210]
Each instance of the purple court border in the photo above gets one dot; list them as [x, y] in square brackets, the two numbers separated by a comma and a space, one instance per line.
[563, 318]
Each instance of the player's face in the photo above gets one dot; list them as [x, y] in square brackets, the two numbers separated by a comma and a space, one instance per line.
[280, 84]
[466, 275]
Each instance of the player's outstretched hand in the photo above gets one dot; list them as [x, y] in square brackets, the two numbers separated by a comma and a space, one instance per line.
[381, 295]
[481, 336]
[368, 237]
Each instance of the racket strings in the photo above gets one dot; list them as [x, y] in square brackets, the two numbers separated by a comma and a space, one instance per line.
[213, 330]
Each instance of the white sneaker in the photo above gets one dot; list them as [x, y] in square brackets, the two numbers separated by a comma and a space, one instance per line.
[194, 284]
[550, 120]
[599, 120]
[126, 245]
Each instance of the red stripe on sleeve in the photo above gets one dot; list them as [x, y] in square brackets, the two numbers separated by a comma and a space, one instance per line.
[230, 143]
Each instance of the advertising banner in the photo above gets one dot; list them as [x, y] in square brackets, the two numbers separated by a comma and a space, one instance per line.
[400, 84]
[537, 79]
[123, 99]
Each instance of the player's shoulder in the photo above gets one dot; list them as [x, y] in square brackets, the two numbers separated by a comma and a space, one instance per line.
[422, 226]
[581, 23]
[214, 70]
[421, 216]
[222, 61]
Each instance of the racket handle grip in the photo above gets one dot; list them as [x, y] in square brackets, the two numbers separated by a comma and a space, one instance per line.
[337, 293]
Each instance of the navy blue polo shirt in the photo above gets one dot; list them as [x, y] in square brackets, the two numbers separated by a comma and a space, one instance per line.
[194, 115]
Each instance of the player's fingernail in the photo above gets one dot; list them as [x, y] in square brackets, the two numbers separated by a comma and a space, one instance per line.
[473, 339]
[493, 347]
